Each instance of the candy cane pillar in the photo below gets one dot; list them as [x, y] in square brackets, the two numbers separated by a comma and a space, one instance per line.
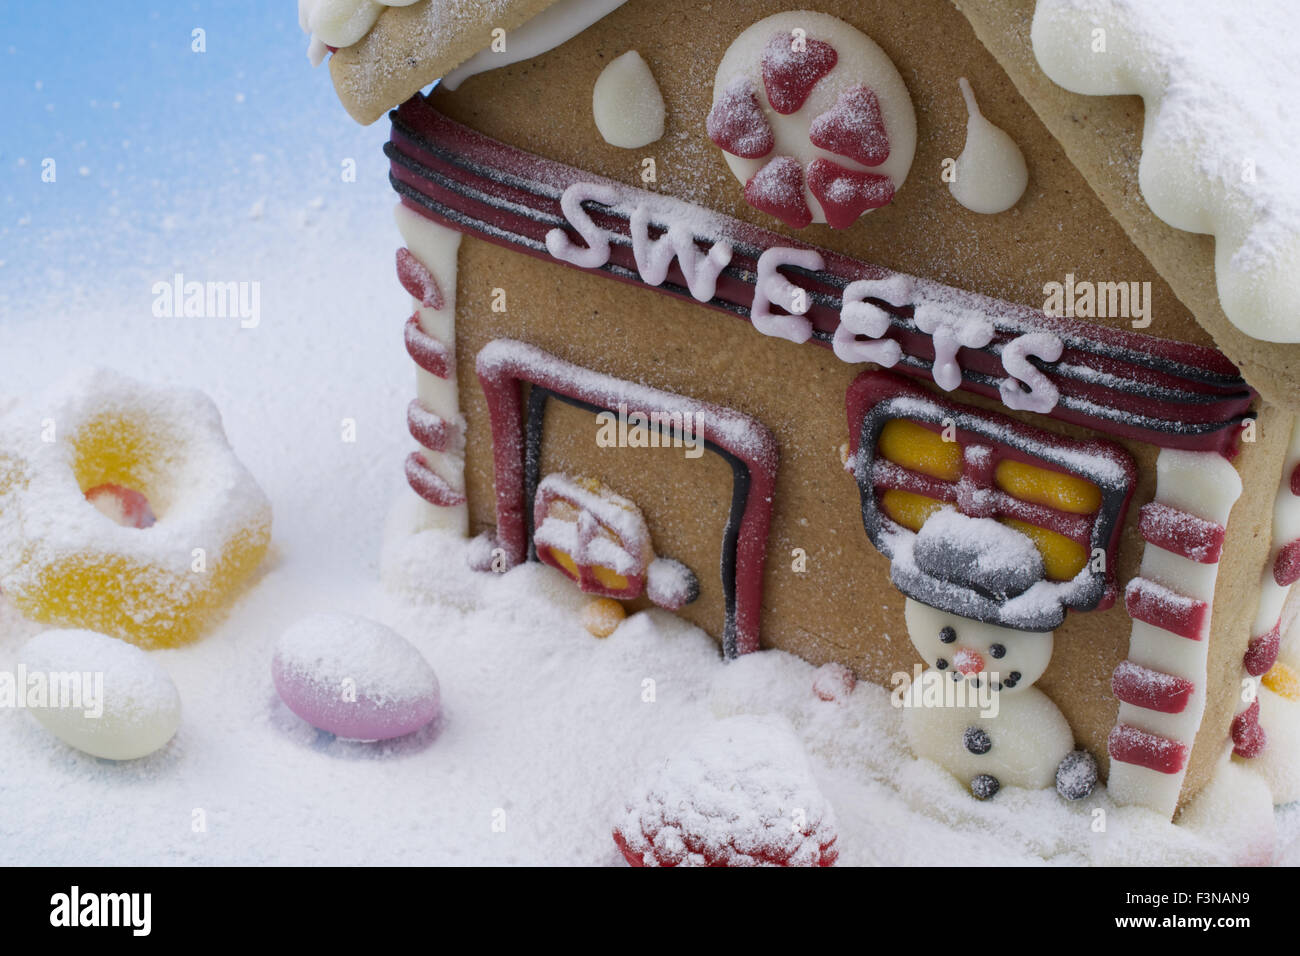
[1161, 687]
[427, 269]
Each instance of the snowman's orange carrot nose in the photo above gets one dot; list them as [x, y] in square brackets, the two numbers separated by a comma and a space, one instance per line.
[968, 661]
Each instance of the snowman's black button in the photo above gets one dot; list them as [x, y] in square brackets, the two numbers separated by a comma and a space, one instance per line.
[985, 786]
[977, 741]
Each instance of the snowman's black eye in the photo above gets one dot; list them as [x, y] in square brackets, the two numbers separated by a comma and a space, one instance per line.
[941, 664]
[947, 635]
[997, 650]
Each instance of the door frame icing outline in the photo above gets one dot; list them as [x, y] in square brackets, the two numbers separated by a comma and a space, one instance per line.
[504, 365]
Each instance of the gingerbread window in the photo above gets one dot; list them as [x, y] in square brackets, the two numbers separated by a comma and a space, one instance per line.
[591, 535]
[981, 515]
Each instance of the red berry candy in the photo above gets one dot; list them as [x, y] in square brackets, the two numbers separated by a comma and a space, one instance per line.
[853, 127]
[737, 124]
[777, 189]
[126, 506]
[833, 681]
[1248, 737]
[846, 194]
[790, 74]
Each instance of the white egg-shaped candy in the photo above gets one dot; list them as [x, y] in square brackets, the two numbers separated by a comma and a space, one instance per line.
[99, 694]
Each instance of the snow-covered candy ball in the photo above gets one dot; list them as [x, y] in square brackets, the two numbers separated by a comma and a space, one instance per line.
[99, 694]
[354, 677]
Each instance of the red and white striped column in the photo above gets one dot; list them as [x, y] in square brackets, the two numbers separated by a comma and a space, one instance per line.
[1161, 686]
[427, 270]
[1280, 572]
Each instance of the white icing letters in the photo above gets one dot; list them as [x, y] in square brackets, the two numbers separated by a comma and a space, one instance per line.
[772, 288]
[653, 256]
[1042, 395]
[950, 330]
[558, 243]
[859, 317]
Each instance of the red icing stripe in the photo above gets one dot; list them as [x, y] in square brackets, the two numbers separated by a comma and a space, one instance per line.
[1128, 744]
[432, 431]
[1286, 566]
[1151, 689]
[1248, 737]
[418, 280]
[426, 351]
[1167, 393]
[428, 485]
[1166, 609]
[1261, 655]
[1182, 533]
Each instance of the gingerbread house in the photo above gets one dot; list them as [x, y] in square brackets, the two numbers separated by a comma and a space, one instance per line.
[848, 331]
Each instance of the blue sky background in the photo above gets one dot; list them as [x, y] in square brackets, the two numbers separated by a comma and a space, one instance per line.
[164, 156]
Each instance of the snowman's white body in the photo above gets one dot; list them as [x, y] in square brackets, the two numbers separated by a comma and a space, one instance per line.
[1028, 737]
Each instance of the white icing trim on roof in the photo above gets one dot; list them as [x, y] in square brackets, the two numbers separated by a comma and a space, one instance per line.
[1218, 148]
[339, 23]
[553, 26]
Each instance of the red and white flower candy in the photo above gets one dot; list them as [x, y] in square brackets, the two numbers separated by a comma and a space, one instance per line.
[813, 118]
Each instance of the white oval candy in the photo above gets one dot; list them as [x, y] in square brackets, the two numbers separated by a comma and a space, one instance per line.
[98, 694]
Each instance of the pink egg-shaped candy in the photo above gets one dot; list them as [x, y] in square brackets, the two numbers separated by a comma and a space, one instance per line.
[354, 677]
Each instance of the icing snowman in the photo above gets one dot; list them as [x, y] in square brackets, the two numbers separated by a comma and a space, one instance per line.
[992, 728]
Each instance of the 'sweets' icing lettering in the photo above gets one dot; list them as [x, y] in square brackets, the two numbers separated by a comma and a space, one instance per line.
[773, 288]
[950, 328]
[654, 256]
[1039, 394]
[451, 174]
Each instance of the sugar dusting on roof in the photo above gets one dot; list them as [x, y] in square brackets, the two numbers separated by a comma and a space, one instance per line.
[1222, 128]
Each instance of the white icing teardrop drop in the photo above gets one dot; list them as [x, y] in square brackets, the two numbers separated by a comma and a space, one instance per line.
[990, 174]
[627, 104]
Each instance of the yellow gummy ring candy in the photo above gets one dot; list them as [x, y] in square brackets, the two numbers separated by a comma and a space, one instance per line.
[63, 561]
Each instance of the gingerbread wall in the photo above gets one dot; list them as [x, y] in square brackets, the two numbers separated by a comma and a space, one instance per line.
[843, 606]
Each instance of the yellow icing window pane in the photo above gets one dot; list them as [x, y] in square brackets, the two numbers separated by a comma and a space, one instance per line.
[1283, 681]
[909, 510]
[609, 578]
[563, 559]
[1063, 558]
[912, 446]
[1042, 486]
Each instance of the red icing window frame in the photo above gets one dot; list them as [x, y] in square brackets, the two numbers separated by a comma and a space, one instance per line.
[875, 398]
[504, 365]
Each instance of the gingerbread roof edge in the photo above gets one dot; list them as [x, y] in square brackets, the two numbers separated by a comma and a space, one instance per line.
[1104, 138]
[386, 51]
